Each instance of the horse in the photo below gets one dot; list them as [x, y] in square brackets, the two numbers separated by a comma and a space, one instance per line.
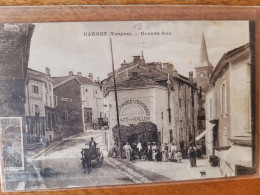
[86, 159]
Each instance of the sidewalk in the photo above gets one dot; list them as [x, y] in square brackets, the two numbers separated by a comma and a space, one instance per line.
[167, 171]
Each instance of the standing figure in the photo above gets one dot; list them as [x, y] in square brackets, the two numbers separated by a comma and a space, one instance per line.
[173, 150]
[115, 148]
[154, 150]
[199, 150]
[149, 151]
[165, 152]
[192, 154]
[127, 148]
[92, 146]
[158, 155]
[139, 149]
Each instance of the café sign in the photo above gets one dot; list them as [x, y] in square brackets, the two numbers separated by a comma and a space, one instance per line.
[133, 111]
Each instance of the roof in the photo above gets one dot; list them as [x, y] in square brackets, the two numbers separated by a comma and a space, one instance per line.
[80, 79]
[37, 75]
[139, 81]
[223, 61]
[204, 59]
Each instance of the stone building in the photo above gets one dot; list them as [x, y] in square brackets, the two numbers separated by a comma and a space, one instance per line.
[228, 116]
[79, 103]
[40, 107]
[153, 92]
[15, 40]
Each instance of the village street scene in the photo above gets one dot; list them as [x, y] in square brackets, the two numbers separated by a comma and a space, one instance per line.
[125, 103]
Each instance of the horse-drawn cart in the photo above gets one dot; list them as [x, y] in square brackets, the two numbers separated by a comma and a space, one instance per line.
[91, 156]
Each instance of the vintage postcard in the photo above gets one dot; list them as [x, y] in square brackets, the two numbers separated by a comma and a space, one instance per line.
[118, 103]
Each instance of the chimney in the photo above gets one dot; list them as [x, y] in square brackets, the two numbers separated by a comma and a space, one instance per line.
[97, 80]
[191, 77]
[79, 74]
[90, 76]
[70, 73]
[47, 71]
[175, 73]
[136, 59]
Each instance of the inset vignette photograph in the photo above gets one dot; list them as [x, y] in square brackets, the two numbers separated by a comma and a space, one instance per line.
[86, 104]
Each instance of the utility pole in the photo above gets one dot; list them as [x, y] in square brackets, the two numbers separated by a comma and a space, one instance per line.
[193, 126]
[117, 114]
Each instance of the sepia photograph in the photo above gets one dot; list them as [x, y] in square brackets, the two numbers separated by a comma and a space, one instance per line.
[86, 104]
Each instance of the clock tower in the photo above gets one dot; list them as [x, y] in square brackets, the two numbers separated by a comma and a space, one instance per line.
[204, 68]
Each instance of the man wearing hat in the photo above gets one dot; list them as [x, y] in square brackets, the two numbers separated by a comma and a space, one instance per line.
[149, 151]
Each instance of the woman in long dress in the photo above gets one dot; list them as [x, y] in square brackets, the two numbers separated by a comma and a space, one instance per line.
[165, 152]
[173, 150]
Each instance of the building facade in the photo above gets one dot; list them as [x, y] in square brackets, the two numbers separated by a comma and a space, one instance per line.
[228, 101]
[79, 103]
[153, 92]
[40, 107]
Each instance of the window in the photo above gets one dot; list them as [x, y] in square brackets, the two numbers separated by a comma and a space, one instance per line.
[50, 87]
[46, 98]
[210, 108]
[35, 89]
[50, 101]
[223, 99]
[86, 90]
[46, 88]
[66, 116]
[215, 104]
[162, 115]
[53, 121]
[48, 121]
[96, 91]
[56, 100]
[180, 103]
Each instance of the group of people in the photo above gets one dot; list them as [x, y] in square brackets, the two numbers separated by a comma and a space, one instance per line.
[152, 151]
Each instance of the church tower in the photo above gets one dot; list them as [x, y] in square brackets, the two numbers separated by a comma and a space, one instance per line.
[204, 68]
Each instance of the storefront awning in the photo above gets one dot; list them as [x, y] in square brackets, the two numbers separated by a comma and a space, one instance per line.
[238, 155]
[201, 135]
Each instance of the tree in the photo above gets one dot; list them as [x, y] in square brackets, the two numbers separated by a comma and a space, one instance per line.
[144, 132]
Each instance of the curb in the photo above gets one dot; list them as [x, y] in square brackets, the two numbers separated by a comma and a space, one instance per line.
[136, 177]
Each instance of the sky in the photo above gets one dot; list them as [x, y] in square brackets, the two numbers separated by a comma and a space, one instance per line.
[63, 47]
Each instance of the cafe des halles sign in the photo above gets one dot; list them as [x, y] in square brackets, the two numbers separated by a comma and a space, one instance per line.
[133, 111]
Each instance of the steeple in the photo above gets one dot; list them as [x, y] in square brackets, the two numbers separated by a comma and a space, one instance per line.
[204, 60]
